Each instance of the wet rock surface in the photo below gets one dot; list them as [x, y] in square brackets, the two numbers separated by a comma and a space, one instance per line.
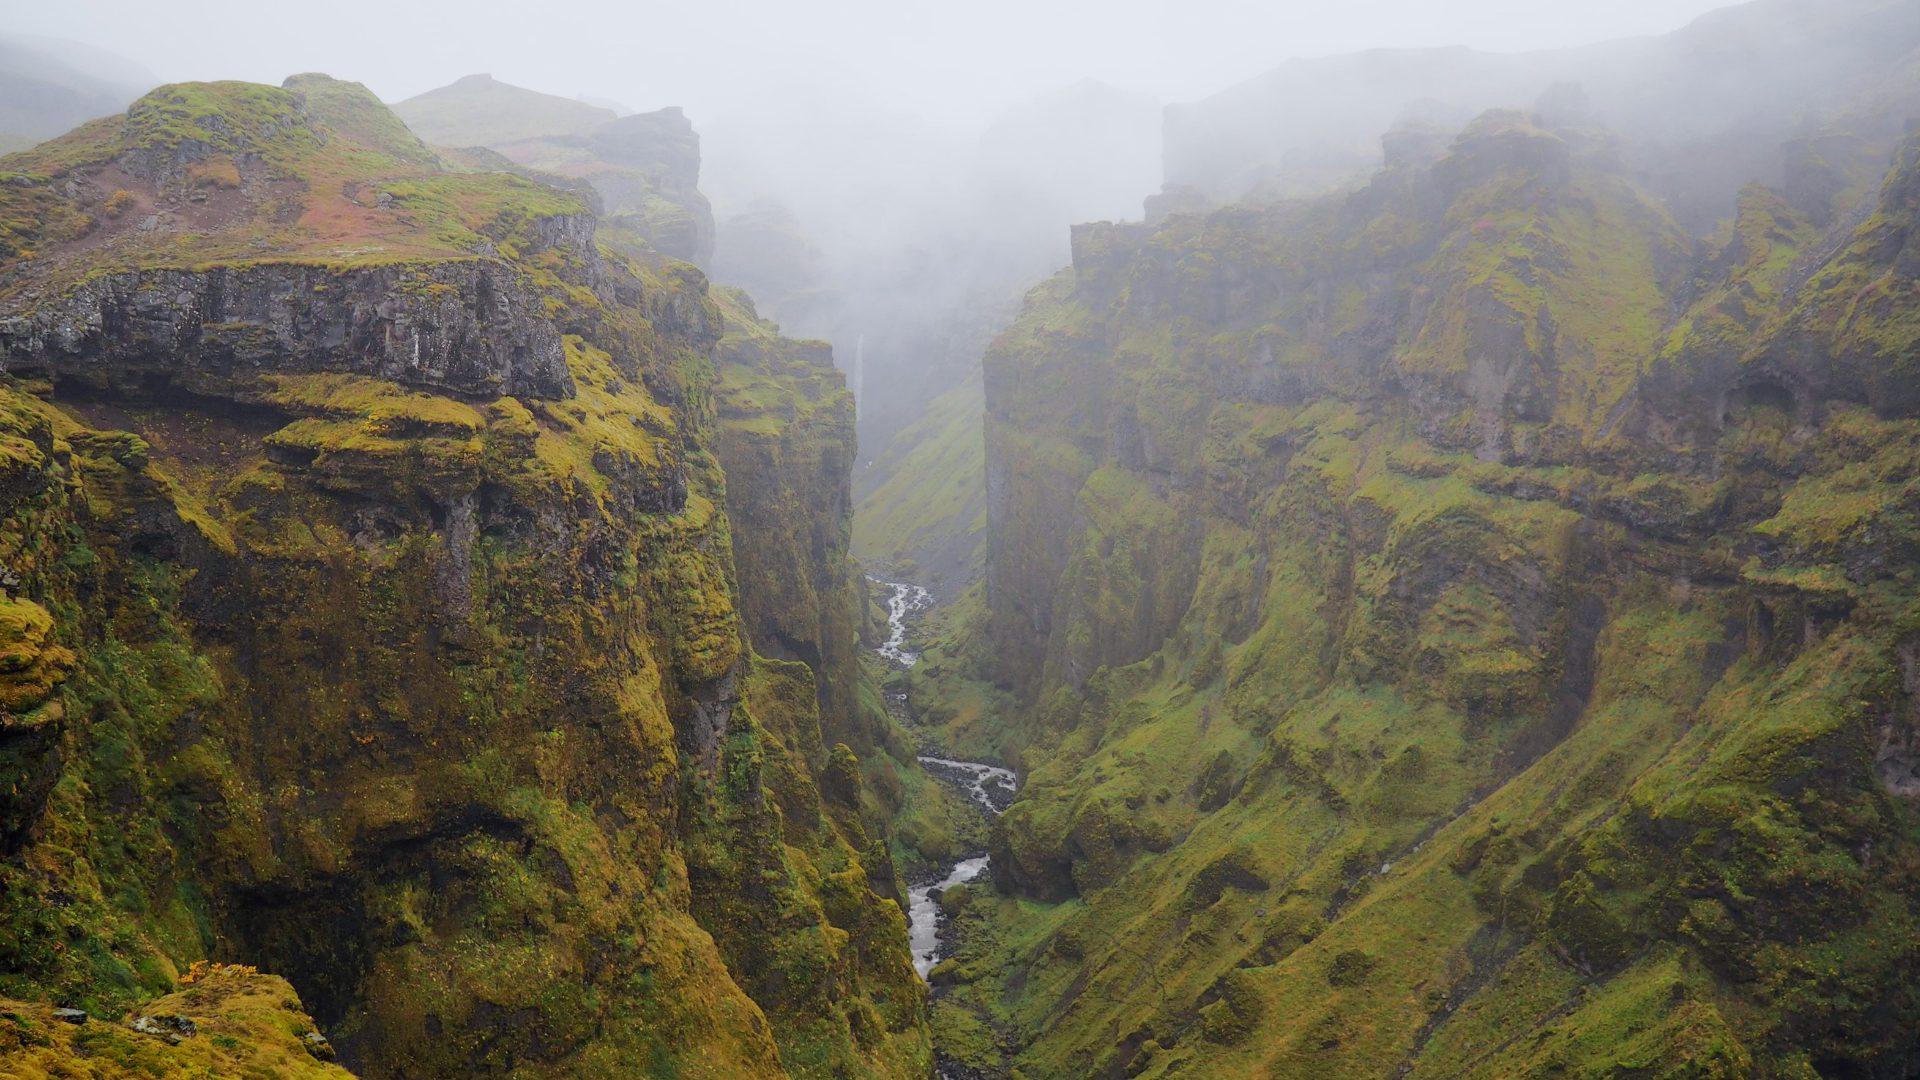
[990, 787]
[165, 1026]
[472, 328]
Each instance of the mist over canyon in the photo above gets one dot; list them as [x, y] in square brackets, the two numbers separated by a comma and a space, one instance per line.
[990, 544]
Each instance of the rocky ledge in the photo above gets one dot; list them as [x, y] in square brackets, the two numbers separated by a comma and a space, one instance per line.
[470, 327]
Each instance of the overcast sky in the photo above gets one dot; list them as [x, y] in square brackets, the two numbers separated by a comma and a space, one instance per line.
[957, 58]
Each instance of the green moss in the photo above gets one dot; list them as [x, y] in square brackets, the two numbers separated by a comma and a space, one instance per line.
[1519, 723]
[330, 178]
[441, 708]
[247, 1025]
[31, 663]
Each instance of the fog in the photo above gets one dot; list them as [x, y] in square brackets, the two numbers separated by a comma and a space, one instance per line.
[953, 60]
[889, 176]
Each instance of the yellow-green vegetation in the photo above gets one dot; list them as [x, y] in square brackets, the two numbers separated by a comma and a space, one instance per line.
[836, 768]
[784, 429]
[1448, 632]
[1537, 268]
[459, 709]
[1762, 242]
[31, 662]
[955, 701]
[316, 172]
[785, 421]
[244, 1025]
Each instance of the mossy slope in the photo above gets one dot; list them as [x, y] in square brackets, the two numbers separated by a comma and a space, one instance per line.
[925, 521]
[244, 1024]
[434, 699]
[1454, 630]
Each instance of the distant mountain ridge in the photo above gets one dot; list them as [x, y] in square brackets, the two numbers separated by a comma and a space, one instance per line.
[478, 110]
[47, 86]
[1686, 102]
[644, 166]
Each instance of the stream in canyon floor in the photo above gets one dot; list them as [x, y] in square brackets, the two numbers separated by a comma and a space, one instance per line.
[990, 787]
[903, 599]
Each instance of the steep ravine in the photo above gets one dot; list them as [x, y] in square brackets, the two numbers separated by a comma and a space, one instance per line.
[904, 600]
[1464, 626]
[1460, 627]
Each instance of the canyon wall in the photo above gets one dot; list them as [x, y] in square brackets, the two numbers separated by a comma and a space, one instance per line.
[1458, 628]
[386, 548]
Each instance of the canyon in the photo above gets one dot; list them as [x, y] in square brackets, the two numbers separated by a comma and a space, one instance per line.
[1435, 595]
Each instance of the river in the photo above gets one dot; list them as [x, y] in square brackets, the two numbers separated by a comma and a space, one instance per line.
[903, 599]
[991, 787]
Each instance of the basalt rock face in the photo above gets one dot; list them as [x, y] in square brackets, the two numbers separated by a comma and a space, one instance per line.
[1460, 628]
[654, 179]
[784, 435]
[416, 678]
[465, 328]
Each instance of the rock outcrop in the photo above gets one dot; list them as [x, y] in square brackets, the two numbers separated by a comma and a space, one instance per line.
[644, 167]
[471, 329]
[373, 615]
[225, 1020]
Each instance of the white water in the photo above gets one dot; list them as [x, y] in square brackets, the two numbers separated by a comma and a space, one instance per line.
[923, 919]
[991, 786]
[903, 599]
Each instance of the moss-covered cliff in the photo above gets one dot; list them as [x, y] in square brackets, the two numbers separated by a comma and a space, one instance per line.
[1460, 628]
[383, 607]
